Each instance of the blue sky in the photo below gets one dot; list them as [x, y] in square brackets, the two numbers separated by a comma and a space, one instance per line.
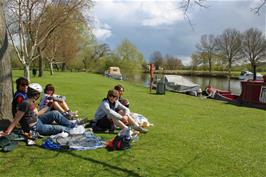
[154, 25]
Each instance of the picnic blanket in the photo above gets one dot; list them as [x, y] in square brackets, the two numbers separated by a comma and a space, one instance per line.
[65, 141]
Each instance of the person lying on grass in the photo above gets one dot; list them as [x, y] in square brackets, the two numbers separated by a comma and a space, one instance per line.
[57, 102]
[106, 118]
[20, 94]
[33, 122]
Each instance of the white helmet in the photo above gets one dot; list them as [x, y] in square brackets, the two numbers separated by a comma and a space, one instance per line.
[35, 86]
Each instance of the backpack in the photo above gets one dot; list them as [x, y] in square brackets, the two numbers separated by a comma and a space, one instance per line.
[120, 142]
[7, 145]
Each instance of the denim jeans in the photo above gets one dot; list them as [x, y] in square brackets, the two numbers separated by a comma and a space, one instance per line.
[44, 124]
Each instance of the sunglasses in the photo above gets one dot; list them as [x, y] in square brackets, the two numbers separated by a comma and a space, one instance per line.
[114, 96]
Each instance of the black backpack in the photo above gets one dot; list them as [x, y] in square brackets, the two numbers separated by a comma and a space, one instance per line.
[120, 142]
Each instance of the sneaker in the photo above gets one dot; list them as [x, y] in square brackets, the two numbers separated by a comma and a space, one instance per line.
[82, 121]
[70, 115]
[141, 130]
[30, 142]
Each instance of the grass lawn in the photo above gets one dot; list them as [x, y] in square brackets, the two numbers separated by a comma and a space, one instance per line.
[191, 136]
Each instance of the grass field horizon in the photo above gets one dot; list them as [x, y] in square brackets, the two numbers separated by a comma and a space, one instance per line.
[191, 136]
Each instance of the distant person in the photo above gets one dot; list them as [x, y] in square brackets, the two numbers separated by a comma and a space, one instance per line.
[121, 91]
[106, 118]
[33, 121]
[57, 102]
[20, 94]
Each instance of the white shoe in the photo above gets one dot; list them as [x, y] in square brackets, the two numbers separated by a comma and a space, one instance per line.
[30, 142]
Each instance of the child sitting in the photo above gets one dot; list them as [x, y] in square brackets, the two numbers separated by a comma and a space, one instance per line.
[106, 118]
[57, 102]
[21, 93]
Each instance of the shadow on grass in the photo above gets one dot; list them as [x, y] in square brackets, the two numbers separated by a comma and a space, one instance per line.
[70, 152]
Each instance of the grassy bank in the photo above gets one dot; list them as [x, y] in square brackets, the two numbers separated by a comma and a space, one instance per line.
[191, 136]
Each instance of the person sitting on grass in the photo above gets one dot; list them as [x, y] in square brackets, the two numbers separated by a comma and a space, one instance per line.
[57, 102]
[106, 118]
[21, 93]
[33, 122]
[121, 91]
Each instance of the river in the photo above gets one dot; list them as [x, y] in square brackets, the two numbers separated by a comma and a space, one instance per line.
[219, 83]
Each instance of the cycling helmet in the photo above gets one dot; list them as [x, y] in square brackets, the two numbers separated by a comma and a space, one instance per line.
[34, 89]
[35, 86]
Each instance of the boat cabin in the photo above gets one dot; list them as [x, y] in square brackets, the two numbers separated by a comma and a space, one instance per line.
[114, 73]
[254, 93]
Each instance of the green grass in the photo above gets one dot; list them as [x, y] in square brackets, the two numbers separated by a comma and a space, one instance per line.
[191, 136]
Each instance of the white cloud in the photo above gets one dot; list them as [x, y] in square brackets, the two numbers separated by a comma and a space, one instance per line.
[101, 30]
[146, 13]
[161, 13]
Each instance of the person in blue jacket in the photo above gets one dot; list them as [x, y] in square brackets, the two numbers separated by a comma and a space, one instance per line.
[21, 93]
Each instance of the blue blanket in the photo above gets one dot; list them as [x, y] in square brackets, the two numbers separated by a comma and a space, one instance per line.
[85, 141]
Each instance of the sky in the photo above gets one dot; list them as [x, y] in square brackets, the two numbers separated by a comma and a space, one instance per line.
[160, 25]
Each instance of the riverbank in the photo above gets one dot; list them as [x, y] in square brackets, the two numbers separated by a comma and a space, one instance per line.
[191, 136]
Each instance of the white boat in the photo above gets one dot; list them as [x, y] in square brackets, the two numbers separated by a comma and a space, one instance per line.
[247, 75]
[180, 84]
[114, 73]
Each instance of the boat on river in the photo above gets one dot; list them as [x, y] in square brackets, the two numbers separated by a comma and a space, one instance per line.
[114, 73]
[176, 83]
[253, 94]
[247, 75]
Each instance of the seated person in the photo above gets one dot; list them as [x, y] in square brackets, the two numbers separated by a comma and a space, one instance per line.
[21, 93]
[106, 118]
[121, 91]
[57, 102]
[33, 121]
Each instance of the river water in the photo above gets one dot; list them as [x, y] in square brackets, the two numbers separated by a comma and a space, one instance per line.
[219, 83]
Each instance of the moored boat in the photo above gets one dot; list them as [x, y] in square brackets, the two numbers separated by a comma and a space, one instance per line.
[114, 73]
[253, 94]
[176, 83]
[247, 75]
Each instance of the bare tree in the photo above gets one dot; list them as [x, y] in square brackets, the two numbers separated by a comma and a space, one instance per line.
[24, 22]
[207, 45]
[229, 46]
[172, 63]
[157, 59]
[254, 47]
[5, 70]
[258, 8]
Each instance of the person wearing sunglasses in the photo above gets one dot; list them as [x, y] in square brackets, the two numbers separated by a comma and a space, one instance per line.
[106, 117]
[21, 93]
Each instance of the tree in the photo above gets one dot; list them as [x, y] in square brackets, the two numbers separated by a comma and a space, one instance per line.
[229, 46]
[207, 46]
[131, 59]
[94, 53]
[5, 70]
[25, 20]
[254, 47]
[172, 63]
[157, 59]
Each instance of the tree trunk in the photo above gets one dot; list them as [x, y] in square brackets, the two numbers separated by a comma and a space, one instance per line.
[5, 70]
[51, 68]
[63, 67]
[27, 71]
[254, 72]
[41, 63]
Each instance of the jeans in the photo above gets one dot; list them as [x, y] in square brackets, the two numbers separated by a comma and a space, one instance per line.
[44, 124]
